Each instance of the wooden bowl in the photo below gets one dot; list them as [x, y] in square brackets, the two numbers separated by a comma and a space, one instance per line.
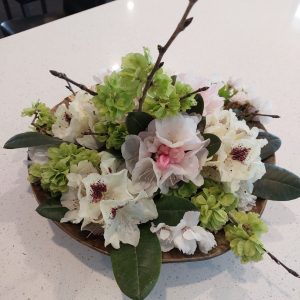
[97, 243]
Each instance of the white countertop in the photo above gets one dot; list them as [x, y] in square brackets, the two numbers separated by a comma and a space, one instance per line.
[256, 40]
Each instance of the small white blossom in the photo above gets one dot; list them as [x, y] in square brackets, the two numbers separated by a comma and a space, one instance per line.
[38, 154]
[246, 199]
[186, 236]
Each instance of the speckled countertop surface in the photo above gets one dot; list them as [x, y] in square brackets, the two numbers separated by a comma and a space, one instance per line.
[256, 40]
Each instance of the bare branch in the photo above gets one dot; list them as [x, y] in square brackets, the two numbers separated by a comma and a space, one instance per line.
[68, 80]
[183, 23]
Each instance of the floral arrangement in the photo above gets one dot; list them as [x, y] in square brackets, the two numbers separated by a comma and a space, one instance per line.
[150, 161]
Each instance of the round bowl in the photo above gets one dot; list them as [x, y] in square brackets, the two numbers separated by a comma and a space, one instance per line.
[97, 242]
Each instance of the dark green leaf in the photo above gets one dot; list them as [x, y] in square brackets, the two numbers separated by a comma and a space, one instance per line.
[174, 78]
[277, 184]
[202, 124]
[273, 145]
[31, 139]
[198, 109]
[171, 209]
[52, 209]
[214, 145]
[137, 269]
[137, 121]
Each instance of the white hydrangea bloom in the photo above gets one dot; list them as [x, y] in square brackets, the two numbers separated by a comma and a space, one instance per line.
[238, 158]
[186, 236]
[74, 120]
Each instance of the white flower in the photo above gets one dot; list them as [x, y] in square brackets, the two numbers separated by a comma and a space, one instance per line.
[121, 218]
[238, 158]
[212, 101]
[38, 154]
[169, 151]
[76, 119]
[186, 236]
[246, 199]
[165, 236]
[109, 163]
[71, 199]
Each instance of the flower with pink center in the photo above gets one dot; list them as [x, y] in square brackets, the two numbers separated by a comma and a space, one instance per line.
[171, 150]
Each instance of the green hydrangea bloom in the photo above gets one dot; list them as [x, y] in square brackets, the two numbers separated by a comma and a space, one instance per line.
[53, 174]
[113, 135]
[44, 116]
[162, 100]
[213, 204]
[185, 190]
[113, 102]
[244, 237]
[134, 71]
[183, 89]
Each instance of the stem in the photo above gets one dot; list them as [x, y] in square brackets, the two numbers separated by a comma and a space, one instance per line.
[68, 80]
[183, 23]
[273, 257]
[203, 89]
[69, 87]
[265, 115]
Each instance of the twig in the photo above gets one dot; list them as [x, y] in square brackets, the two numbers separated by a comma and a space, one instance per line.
[265, 115]
[69, 87]
[184, 23]
[203, 89]
[68, 80]
[274, 258]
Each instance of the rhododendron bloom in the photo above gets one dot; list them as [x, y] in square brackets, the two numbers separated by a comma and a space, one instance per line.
[238, 158]
[169, 151]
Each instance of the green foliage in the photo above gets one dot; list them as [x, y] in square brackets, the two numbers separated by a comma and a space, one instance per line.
[53, 174]
[185, 190]
[199, 107]
[227, 92]
[112, 134]
[31, 139]
[171, 209]
[183, 89]
[273, 145]
[44, 118]
[137, 269]
[244, 236]
[214, 144]
[162, 100]
[52, 209]
[113, 100]
[277, 184]
[214, 204]
[137, 121]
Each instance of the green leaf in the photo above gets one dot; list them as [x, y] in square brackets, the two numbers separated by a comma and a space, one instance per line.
[214, 145]
[137, 269]
[137, 121]
[198, 109]
[52, 209]
[171, 209]
[277, 184]
[273, 145]
[31, 139]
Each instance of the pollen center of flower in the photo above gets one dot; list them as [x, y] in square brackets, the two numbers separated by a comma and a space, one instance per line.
[239, 153]
[166, 156]
[97, 191]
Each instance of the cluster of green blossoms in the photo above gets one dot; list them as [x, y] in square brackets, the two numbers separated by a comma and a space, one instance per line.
[214, 205]
[44, 118]
[227, 92]
[113, 135]
[53, 174]
[184, 190]
[121, 90]
[244, 235]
